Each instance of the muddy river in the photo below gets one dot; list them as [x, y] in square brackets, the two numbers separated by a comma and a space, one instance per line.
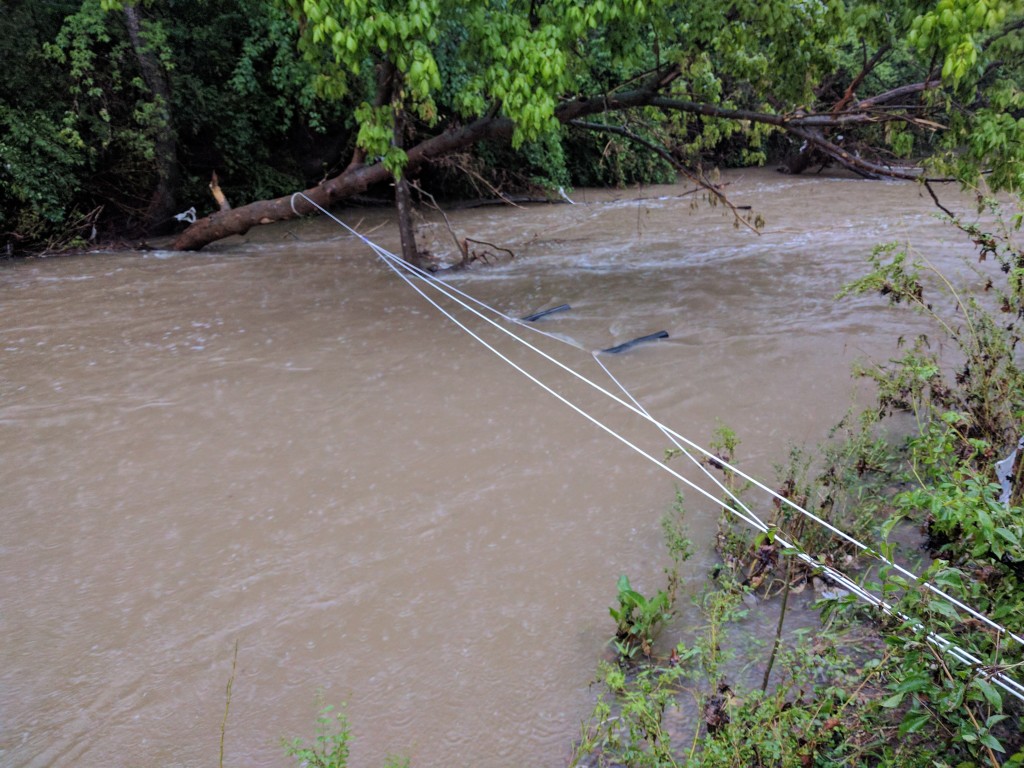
[276, 443]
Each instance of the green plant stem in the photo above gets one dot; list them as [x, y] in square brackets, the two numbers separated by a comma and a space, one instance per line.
[696, 731]
[966, 706]
[227, 705]
[959, 302]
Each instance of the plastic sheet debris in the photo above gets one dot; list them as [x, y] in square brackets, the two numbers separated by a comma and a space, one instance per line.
[828, 591]
[1004, 473]
[189, 215]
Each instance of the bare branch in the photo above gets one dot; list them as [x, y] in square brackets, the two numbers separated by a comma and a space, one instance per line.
[897, 93]
[667, 156]
[935, 198]
[864, 72]
[713, 110]
[459, 244]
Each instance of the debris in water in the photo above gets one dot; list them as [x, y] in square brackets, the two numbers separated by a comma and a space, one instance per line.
[630, 344]
[1004, 473]
[826, 591]
[546, 312]
[715, 714]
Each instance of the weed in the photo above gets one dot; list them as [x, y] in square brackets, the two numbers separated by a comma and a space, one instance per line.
[638, 619]
[680, 548]
[968, 410]
[798, 721]
[331, 745]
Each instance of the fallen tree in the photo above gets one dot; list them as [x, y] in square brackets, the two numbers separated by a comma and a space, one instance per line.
[512, 62]
[359, 177]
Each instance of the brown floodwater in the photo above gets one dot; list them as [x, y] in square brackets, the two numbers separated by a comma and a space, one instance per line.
[276, 443]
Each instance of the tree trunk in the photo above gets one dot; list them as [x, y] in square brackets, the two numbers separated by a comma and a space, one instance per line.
[403, 204]
[160, 211]
[352, 181]
[403, 200]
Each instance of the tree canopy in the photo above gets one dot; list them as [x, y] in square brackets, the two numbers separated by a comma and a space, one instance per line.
[275, 94]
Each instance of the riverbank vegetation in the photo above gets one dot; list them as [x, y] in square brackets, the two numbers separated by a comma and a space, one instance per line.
[916, 681]
[117, 114]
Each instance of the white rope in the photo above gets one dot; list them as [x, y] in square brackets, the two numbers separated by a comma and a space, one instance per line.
[428, 277]
[747, 515]
[1007, 683]
[401, 267]
[443, 288]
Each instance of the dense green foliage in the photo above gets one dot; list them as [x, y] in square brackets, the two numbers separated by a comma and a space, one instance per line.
[277, 95]
[38, 167]
[80, 123]
[969, 409]
[448, 62]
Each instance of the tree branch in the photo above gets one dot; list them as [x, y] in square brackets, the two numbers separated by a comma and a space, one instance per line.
[665, 155]
[869, 65]
[1019, 24]
[352, 181]
[358, 178]
[713, 110]
[927, 84]
[857, 164]
[935, 199]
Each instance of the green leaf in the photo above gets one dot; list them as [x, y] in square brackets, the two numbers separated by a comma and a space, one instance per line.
[893, 701]
[991, 742]
[949, 578]
[1008, 535]
[913, 684]
[990, 692]
[946, 609]
[914, 721]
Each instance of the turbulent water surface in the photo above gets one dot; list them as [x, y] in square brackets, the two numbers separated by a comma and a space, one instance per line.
[277, 443]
